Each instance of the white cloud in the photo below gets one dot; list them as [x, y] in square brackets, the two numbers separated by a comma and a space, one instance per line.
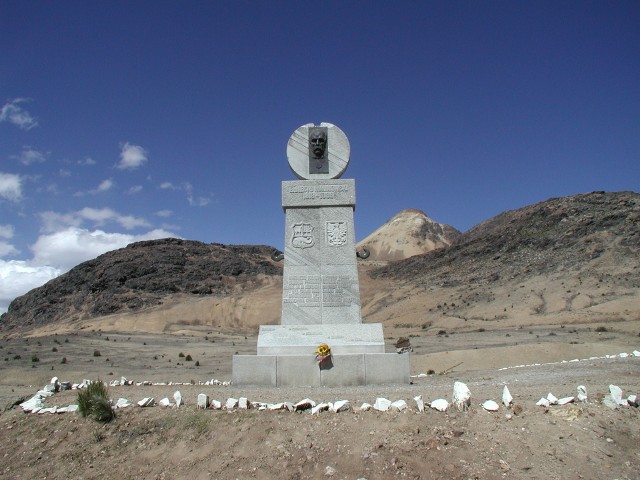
[17, 277]
[195, 201]
[132, 156]
[135, 189]
[104, 186]
[87, 161]
[54, 221]
[7, 249]
[6, 231]
[30, 155]
[164, 213]
[67, 248]
[10, 187]
[13, 113]
[56, 253]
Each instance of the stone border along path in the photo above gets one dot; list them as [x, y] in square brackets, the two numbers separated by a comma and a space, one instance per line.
[461, 397]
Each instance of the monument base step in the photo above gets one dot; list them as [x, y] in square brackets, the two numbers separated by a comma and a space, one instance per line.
[304, 339]
[304, 370]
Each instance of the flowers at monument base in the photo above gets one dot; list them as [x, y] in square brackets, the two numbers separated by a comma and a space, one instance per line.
[323, 353]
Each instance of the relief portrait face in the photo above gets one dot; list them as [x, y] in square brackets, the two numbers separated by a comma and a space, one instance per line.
[317, 143]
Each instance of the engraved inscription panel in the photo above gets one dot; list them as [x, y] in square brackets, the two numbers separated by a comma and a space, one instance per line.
[319, 290]
[303, 290]
[319, 192]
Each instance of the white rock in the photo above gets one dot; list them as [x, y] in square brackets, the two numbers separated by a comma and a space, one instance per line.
[146, 402]
[215, 404]
[582, 393]
[616, 395]
[276, 406]
[382, 404]
[636, 353]
[304, 404]
[440, 404]
[419, 403]
[177, 396]
[507, 399]
[543, 402]
[69, 409]
[33, 403]
[165, 402]
[565, 400]
[365, 407]
[490, 406]
[54, 381]
[607, 401]
[203, 400]
[461, 398]
[289, 406]
[632, 400]
[321, 407]
[552, 399]
[329, 471]
[244, 403]
[231, 403]
[122, 403]
[48, 410]
[399, 405]
[340, 405]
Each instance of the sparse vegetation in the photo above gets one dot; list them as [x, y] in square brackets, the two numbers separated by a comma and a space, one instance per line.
[64, 360]
[181, 355]
[93, 401]
[34, 358]
[188, 358]
[601, 329]
[96, 353]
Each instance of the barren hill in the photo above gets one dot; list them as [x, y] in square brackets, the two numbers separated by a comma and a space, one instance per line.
[410, 232]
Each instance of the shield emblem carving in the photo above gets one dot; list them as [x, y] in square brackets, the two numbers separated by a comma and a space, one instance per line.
[302, 235]
[336, 233]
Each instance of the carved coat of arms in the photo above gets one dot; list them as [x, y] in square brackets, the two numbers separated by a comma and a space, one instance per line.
[336, 233]
[302, 235]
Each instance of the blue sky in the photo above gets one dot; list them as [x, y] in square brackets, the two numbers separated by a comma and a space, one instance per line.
[122, 121]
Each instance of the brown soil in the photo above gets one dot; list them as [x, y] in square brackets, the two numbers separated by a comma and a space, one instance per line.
[575, 441]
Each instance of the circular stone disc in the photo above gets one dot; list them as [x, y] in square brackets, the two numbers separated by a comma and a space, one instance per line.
[338, 150]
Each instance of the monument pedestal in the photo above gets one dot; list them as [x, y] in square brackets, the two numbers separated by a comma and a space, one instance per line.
[303, 370]
[320, 291]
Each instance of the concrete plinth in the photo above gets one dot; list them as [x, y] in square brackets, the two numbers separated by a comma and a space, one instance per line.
[303, 370]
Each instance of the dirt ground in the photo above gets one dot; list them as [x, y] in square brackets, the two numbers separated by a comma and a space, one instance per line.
[580, 440]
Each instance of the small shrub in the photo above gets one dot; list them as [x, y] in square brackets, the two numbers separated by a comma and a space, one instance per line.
[188, 358]
[17, 357]
[442, 332]
[197, 363]
[93, 401]
[54, 349]
[34, 358]
[601, 329]
[64, 360]
[96, 353]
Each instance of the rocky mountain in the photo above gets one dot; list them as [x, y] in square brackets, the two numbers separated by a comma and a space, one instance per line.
[573, 260]
[590, 231]
[141, 276]
[410, 232]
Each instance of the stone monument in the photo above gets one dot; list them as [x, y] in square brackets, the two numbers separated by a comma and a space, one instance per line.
[321, 292]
